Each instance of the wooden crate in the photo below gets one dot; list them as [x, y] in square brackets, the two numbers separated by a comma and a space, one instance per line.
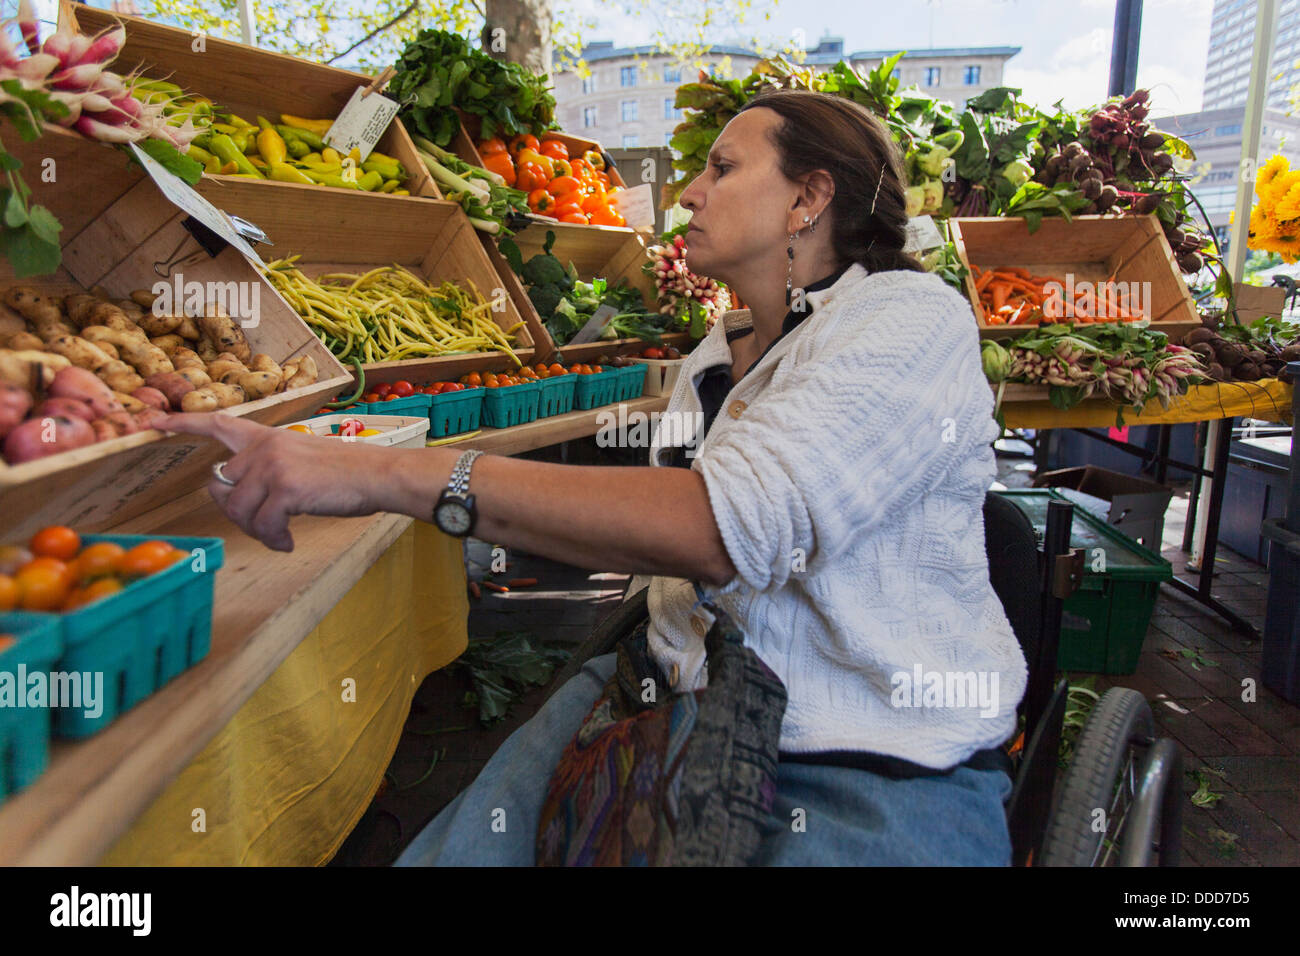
[250, 82]
[103, 484]
[465, 145]
[338, 232]
[1092, 249]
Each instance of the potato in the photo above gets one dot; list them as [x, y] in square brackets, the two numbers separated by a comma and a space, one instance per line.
[99, 292]
[206, 351]
[147, 359]
[130, 403]
[151, 397]
[109, 349]
[195, 375]
[305, 375]
[168, 343]
[262, 362]
[187, 358]
[85, 386]
[227, 395]
[189, 329]
[120, 377]
[224, 334]
[14, 405]
[67, 407]
[47, 330]
[158, 324]
[25, 340]
[79, 352]
[30, 369]
[122, 423]
[11, 323]
[40, 437]
[87, 310]
[33, 305]
[173, 386]
[226, 371]
[259, 384]
[150, 418]
[116, 337]
[200, 400]
[143, 298]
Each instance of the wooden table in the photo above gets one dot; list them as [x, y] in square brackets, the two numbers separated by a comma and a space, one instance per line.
[265, 604]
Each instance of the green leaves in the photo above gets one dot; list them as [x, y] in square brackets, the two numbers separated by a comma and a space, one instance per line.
[504, 667]
[170, 158]
[30, 238]
[973, 157]
[994, 100]
[1033, 200]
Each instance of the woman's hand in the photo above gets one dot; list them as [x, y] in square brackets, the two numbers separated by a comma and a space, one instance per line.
[279, 473]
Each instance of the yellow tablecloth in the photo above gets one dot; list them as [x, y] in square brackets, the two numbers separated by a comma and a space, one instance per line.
[291, 774]
[1269, 400]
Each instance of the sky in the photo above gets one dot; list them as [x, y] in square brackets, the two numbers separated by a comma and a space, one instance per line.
[1065, 46]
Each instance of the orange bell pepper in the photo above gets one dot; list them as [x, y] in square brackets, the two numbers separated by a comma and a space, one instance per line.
[567, 205]
[554, 148]
[522, 142]
[577, 218]
[594, 159]
[563, 185]
[532, 156]
[579, 168]
[605, 216]
[562, 167]
[530, 176]
[539, 200]
[593, 202]
[501, 164]
[490, 147]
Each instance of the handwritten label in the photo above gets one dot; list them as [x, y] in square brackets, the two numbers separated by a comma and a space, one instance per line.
[181, 195]
[637, 206]
[922, 234]
[599, 319]
[362, 123]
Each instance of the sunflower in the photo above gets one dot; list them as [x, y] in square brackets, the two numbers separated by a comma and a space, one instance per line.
[1268, 171]
[1262, 227]
[1288, 206]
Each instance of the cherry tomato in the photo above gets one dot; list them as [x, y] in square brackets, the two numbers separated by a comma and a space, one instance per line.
[91, 593]
[653, 353]
[299, 428]
[474, 379]
[557, 369]
[148, 557]
[350, 427]
[383, 389]
[672, 353]
[97, 560]
[55, 541]
[391, 398]
[368, 398]
[42, 587]
[403, 388]
[9, 593]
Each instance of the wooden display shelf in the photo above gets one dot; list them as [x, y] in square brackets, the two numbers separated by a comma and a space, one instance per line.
[110, 481]
[94, 789]
[557, 428]
[1121, 249]
[249, 82]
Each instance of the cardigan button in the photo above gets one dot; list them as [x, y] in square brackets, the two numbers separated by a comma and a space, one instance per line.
[673, 675]
[736, 408]
[699, 626]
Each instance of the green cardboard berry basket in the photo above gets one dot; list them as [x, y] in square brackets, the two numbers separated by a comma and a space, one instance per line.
[556, 396]
[511, 404]
[25, 731]
[631, 382]
[592, 391]
[410, 405]
[454, 412]
[143, 636]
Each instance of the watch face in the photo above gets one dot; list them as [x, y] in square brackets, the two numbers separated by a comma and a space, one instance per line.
[453, 517]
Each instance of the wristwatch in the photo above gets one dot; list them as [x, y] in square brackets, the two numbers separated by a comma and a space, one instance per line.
[455, 513]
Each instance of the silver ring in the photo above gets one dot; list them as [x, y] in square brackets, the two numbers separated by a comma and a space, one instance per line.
[220, 475]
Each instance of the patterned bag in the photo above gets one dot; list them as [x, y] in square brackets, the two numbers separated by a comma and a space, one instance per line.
[685, 781]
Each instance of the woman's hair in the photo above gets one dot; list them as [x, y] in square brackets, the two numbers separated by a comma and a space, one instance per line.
[820, 131]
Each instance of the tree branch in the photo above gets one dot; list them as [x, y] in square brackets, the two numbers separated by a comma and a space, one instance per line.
[378, 30]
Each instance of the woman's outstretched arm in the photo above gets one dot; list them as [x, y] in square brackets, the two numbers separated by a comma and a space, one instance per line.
[597, 518]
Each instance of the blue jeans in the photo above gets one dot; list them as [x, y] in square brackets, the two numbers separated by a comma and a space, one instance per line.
[822, 816]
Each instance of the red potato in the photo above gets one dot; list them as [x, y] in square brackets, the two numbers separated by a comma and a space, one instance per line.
[152, 398]
[14, 405]
[67, 407]
[121, 422]
[80, 383]
[149, 418]
[173, 386]
[40, 437]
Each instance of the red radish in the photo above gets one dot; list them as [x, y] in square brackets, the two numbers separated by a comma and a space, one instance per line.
[105, 47]
[36, 69]
[27, 25]
[59, 43]
[80, 77]
[105, 132]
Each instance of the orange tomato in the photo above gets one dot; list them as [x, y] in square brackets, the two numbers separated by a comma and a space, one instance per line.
[7, 641]
[60, 568]
[97, 560]
[557, 369]
[9, 593]
[474, 379]
[42, 587]
[490, 379]
[102, 588]
[55, 541]
[148, 557]
[300, 428]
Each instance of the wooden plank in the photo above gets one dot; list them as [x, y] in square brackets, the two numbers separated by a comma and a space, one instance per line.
[558, 428]
[265, 604]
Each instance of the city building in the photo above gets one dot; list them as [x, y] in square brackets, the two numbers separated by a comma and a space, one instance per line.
[1232, 39]
[627, 101]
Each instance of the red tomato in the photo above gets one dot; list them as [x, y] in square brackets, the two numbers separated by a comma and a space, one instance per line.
[382, 389]
[653, 353]
[368, 398]
[391, 398]
[402, 388]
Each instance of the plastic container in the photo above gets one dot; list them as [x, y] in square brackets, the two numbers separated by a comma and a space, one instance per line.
[143, 636]
[1104, 622]
[661, 374]
[25, 731]
[399, 431]
[511, 405]
[556, 396]
[454, 412]
[410, 405]
[592, 391]
[631, 380]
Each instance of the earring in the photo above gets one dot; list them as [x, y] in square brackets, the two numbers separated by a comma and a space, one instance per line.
[789, 272]
[813, 227]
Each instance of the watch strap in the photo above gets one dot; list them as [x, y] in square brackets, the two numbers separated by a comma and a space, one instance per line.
[458, 484]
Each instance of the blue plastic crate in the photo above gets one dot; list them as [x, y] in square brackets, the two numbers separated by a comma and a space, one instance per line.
[25, 731]
[592, 391]
[511, 405]
[454, 412]
[414, 405]
[631, 382]
[143, 636]
[556, 396]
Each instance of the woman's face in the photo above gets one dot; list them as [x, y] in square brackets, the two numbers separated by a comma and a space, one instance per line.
[740, 204]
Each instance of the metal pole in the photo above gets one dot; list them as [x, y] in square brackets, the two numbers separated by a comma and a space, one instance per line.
[247, 25]
[1124, 47]
[1256, 97]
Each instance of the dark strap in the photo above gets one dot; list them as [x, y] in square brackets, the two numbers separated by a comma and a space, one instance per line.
[896, 768]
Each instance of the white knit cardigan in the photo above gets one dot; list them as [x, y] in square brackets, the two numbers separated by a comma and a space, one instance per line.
[847, 473]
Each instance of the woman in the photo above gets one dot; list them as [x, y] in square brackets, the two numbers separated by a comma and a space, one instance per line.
[833, 510]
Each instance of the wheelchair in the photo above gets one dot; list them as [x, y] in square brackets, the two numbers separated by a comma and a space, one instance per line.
[1119, 802]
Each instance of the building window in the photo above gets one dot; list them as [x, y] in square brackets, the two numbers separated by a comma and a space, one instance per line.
[672, 74]
[1227, 130]
[629, 111]
[589, 84]
[629, 140]
[972, 76]
[932, 76]
[627, 76]
[588, 116]
[671, 112]
[668, 138]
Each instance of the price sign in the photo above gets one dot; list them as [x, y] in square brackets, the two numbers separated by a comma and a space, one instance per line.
[362, 122]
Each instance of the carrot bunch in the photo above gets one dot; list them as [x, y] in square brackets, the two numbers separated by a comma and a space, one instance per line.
[1011, 295]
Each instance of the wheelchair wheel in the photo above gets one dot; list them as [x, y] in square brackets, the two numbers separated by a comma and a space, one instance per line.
[1101, 784]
